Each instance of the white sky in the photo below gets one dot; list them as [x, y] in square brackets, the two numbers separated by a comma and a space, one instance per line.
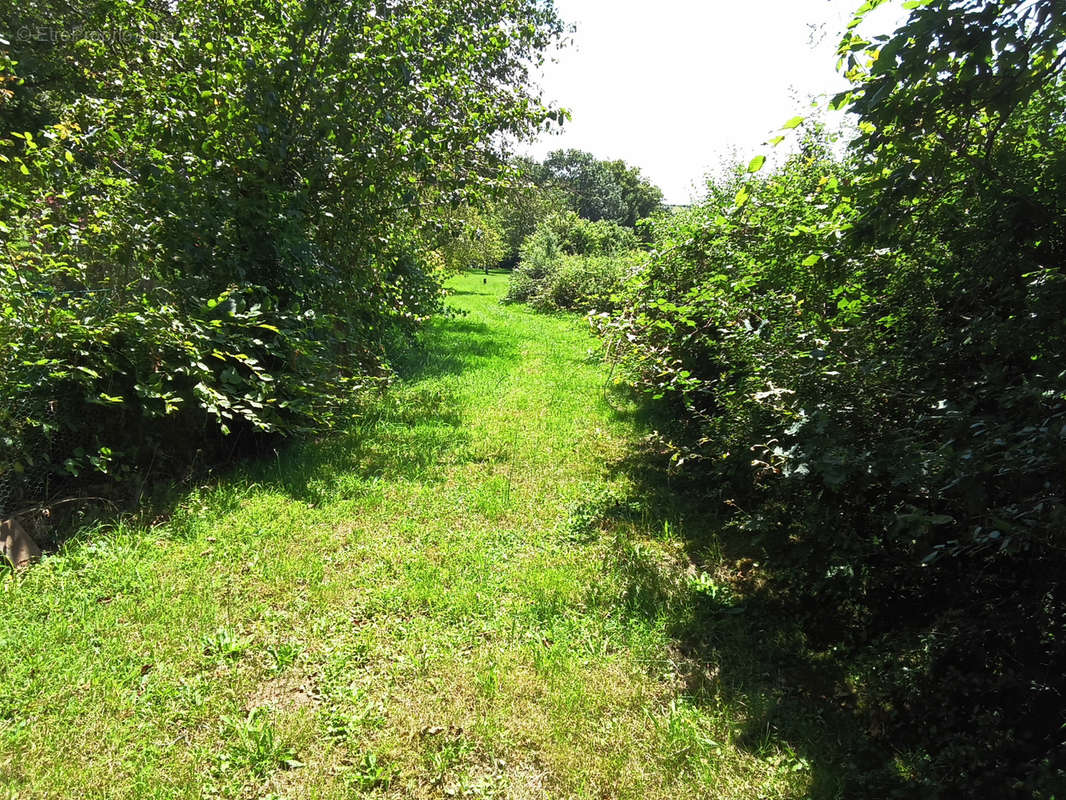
[673, 86]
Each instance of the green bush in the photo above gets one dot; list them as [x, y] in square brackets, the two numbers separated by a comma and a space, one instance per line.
[573, 264]
[867, 358]
[214, 220]
[576, 283]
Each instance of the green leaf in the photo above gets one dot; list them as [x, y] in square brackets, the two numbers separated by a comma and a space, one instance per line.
[742, 196]
[795, 122]
[840, 100]
[756, 164]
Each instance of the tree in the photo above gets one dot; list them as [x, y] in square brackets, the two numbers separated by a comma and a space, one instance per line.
[473, 239]
[521, 206]
[218, 214]
[610, 190]
[590, 184]
[640, 196]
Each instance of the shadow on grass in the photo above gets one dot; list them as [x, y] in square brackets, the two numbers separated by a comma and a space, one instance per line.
[874, 676]
[452, 346]
[402, 436]
[404, 433]
[740, 649]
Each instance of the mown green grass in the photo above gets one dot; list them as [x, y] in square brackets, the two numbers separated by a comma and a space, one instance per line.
[431, 604]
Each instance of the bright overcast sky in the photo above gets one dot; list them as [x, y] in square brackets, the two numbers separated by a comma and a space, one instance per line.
[673, 86]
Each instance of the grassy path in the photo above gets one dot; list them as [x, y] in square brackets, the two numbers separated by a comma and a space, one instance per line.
[426, 607]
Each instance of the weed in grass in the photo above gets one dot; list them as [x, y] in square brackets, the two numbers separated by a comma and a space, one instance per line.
[488, 679]
[719, 597]
[371, 772]
[351, 712]
[283, 655]
[686, 738]
[191, 694]
[14, 733]
[223, 645]
[445, 752]
[253, 745]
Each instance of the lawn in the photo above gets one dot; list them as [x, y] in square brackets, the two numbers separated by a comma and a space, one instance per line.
[461, 595]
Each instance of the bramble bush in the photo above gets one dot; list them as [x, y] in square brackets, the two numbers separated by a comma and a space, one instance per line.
[576, 283]
[866, 356]
[570, 263]
[214, 222]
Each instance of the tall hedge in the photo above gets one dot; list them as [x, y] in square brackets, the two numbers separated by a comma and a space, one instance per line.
[215, 214]
[868, 361]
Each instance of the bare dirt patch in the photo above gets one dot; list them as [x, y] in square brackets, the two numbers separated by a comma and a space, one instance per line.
[283, 693]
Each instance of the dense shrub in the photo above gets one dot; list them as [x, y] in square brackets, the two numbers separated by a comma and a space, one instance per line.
[215, 214]
[572, 263]
[575, 283]
[867, 358]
